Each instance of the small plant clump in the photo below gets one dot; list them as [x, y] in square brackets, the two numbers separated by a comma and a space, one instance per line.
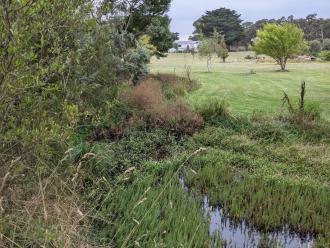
[304, 112]
[214, 110]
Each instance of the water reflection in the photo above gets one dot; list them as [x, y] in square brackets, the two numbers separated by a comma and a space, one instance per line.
[242, 235]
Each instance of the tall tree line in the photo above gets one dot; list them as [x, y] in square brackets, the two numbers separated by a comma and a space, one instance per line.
[314, 28]
[238, 33]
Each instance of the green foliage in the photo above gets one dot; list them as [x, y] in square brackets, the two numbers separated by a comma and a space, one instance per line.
[61, 65]
[303, 112]
[325, 55]
[326, 45]
[175, 36]
[159, 31]
[214, 110]
[221, 49]
[136, 62]
[213, 45]
[153, 210]
[146, 17]
[315, 28]
[206, 49]
[280, 42]
[315, 46]
[226, 21]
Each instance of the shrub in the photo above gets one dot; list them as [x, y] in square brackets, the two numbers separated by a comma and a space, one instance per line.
[144, 96]
[325, 55]
[315, 47]
[326, 45]
[214, 110]
[176, 117]
[151, 106]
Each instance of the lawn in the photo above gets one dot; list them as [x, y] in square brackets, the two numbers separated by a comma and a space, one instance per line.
[246, 92]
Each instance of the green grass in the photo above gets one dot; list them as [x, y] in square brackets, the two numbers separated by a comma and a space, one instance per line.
[245, 92]
[145, 206]
[266, 173]
[270, 171]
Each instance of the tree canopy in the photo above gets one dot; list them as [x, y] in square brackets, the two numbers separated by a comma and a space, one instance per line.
[225, 21]
[280, 41]
[314, 28]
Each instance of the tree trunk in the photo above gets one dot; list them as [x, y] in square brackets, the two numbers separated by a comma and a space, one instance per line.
[283, 64]
[224, 60]
[208, 64]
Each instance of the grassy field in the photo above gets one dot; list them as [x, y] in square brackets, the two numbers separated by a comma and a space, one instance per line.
[246, 92]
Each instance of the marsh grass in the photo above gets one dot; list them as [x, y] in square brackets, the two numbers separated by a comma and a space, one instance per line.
[154, 211]
[267, 173]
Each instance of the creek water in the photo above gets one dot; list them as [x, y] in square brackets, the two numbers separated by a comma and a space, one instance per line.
[243, 235]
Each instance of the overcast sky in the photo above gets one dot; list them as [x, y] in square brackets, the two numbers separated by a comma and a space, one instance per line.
[185, 12]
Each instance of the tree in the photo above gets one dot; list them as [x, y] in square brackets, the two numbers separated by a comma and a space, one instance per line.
[224, 20]
[160, 35]
[206, 49]
[175, 36]
[209, 46]
[280, 42]
[221, 49]
[314, 28]
[133, 21]
[140, 17]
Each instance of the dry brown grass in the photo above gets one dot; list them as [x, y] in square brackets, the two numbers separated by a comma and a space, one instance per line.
[150, 103]
[145, 95]
[44, 212]
[176, 117]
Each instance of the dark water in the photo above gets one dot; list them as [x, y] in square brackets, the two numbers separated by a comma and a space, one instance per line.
[242, 235]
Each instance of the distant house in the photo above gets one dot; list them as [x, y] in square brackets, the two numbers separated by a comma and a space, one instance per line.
[183, 46]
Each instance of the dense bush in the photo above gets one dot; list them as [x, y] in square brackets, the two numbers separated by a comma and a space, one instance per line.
[61, 68]
[176, 117]
[150, 104]
[315, 47]
[326, 44]
[325, 55]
